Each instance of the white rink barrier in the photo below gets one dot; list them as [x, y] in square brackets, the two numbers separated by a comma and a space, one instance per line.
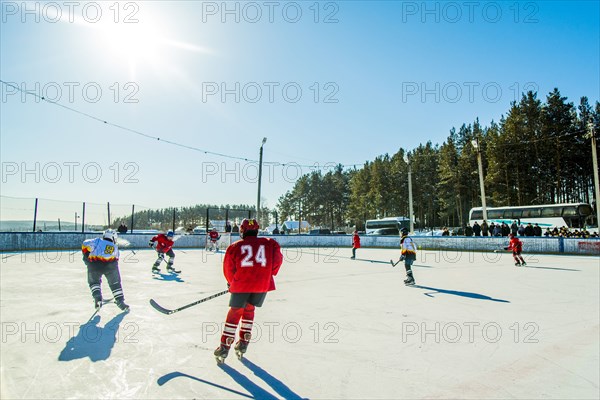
[21, 241]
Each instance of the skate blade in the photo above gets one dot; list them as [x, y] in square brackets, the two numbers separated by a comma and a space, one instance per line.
[220, 360]
[239, 355]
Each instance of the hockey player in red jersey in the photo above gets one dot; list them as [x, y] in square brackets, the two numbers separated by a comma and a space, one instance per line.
[214, 237]
[164, 245]
[355, 244]
[249, 266]
[517, 247]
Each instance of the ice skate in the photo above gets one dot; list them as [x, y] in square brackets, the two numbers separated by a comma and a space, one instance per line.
[523, 263]
[517, 264]
[97, 304]
[240, 349]
[155, 269]
[172, 270]
[409, 281]
[124, 307]
[221, 353]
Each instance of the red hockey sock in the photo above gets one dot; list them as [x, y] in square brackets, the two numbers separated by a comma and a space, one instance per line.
[233, 318]
[247, 321]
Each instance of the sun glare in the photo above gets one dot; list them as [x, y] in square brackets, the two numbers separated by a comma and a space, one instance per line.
[135, 43]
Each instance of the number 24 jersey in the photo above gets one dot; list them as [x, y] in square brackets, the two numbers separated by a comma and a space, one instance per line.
[250, 264]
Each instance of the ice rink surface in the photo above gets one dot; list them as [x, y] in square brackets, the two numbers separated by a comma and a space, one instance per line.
[475, 326]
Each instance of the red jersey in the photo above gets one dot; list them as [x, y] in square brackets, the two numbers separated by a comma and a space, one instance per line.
[214, 236]
[164, 243]
[515, 245]
[356, 241]
[251, 263]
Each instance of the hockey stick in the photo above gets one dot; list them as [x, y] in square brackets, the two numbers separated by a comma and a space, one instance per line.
[166, 311]
[502, 248]
[399, 260]
[98, 309]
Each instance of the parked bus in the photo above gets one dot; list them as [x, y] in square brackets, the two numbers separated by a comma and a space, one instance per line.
[571, 215]
[386, 226]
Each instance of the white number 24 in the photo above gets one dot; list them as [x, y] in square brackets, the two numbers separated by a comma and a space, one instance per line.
[259, 258]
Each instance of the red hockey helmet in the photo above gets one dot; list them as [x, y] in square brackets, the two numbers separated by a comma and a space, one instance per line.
[249, 225]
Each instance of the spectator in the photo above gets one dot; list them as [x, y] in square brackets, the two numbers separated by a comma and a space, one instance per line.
[235, 228]
[505, 229]
[122, 228]
[476, 229]
[537, 231]
[514, 228]
[227, 227]
[468, 230]
[521, 230]
[529, 230]
[445, 232]
[497, 230]
[484, 228]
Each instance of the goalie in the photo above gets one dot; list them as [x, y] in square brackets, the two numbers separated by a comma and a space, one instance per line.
[213, 237]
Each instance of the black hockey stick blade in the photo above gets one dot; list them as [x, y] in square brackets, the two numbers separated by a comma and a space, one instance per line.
[158, 308]
[166, 311]
[394, 263]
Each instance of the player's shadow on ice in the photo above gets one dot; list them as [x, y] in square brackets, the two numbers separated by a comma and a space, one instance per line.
[470, 295]
[256, 391]
[281, 388]
[92, 341]
[551, 268]
[172, 375]
[167, 277]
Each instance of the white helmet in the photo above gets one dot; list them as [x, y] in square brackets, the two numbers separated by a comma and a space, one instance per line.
[110, 234]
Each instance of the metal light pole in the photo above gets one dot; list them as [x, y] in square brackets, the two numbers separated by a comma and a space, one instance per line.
[596, 179]
[259, 177]
[475, 143]
[410, 197]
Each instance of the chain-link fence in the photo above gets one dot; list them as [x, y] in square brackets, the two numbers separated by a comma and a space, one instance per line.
[19, 214]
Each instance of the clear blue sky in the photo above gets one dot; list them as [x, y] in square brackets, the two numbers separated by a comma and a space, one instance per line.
[370, 61]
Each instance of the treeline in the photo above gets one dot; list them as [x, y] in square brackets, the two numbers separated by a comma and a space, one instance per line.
[186, 217]
[538, 153]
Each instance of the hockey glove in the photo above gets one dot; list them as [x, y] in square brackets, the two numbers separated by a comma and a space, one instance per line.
[402, 257]
[151, 243]
[506, 248]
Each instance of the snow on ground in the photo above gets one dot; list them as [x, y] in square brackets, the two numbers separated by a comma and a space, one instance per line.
[475, 326]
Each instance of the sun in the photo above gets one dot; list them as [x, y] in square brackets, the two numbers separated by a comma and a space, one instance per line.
[135, 43]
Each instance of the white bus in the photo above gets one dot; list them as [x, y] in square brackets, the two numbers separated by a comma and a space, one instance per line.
[572, 215]
[386, 226]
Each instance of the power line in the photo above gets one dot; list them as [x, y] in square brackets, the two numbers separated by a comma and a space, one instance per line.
[316, 165]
